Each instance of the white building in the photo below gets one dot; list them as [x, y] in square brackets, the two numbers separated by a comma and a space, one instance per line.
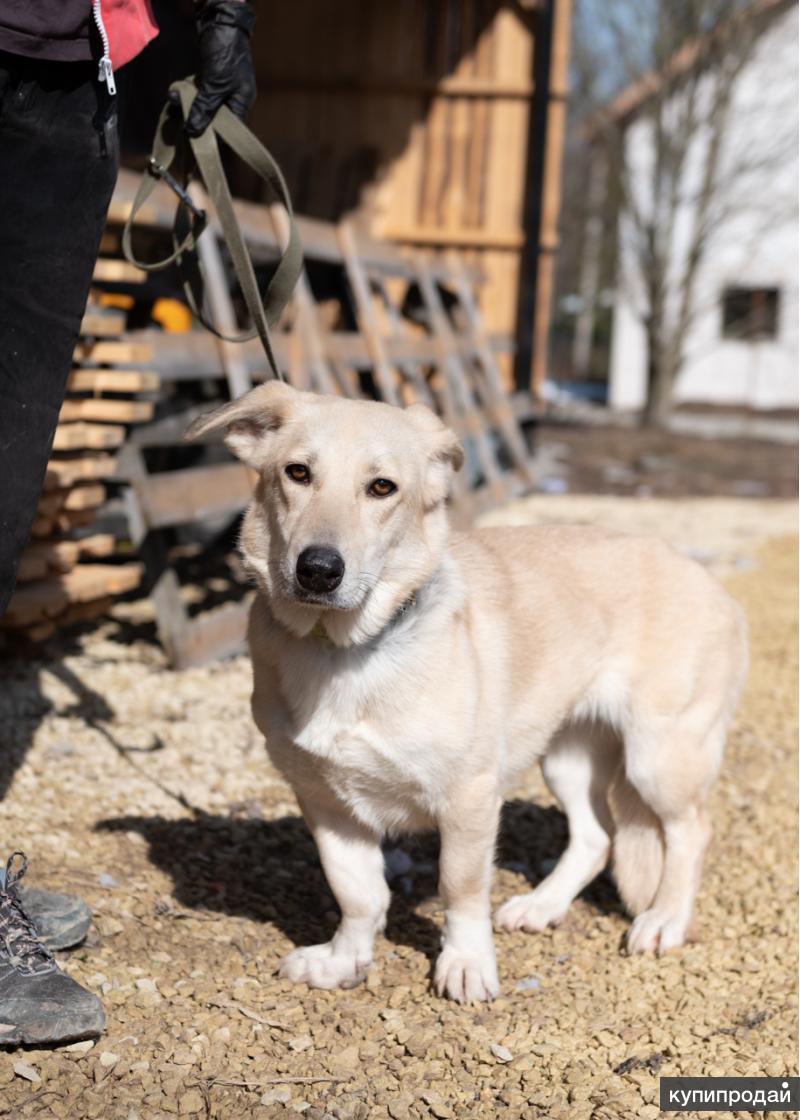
[741, 345]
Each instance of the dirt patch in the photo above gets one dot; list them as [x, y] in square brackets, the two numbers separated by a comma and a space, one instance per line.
[148, 792]
[589, 459]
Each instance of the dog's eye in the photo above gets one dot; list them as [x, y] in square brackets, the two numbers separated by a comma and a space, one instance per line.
[381, 488]
[298, 472]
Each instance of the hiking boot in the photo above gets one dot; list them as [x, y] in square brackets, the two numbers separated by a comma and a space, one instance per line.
[61, 920]
[38, 1003]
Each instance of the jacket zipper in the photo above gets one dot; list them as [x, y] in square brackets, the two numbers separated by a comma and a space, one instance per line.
[105, 72]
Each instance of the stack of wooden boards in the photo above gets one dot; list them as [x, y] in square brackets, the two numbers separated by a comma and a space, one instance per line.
[66, 573]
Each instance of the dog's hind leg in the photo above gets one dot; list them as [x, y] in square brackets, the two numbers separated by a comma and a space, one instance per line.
[353, 863]
[671, 768]
[577, 768]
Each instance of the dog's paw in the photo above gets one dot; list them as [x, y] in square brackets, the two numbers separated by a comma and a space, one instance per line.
[656, 932]
[320, 966]
[466, 977]
[533, 911]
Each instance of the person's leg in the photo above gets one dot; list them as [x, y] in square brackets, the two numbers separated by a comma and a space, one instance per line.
[58, 164]
[59, 157]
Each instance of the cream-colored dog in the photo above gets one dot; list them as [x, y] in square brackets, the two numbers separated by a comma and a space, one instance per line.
[406, 676]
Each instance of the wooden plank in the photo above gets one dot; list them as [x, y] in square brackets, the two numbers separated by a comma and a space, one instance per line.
[195, 356]
[31, 567]
[86, 496]
[431, 186]
[42, 558]
[61, 556]
[102, 409]
[311, 335]
[69, 519]
[456, 238]
[555, 128]
[178, 497]
[112, 353]
[220, 305]
[110, 242]
[66, 472]
[49, 598]
[85, 612]
[103, 323]
[461, 404]
[490, 387]
[90, 581]
[49, 504]
[448, 86]
[455, 204]
[113, 381]
[215, 634]
[96, 437]
[100, 544]
[111, 271]
[385, 376]
[411, 368]
[42, 527]
[168, 431]
[319, 238]
[40, 631]
[307, 327]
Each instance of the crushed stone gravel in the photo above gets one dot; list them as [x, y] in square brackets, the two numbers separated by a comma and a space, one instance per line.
[147, 791]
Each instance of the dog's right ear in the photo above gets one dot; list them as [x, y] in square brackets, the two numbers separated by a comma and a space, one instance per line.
[248, 420]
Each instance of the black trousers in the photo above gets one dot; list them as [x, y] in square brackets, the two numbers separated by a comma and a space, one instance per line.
[59, 155]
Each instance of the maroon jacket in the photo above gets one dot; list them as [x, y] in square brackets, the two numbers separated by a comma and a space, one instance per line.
[60, 29]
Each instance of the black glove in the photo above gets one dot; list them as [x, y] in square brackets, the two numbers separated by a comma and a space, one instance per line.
[225, 74]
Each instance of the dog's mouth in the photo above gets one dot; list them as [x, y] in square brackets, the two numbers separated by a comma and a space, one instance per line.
[314, 599]
[326, 600]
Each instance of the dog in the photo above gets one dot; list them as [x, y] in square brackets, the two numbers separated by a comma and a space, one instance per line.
[405, 676]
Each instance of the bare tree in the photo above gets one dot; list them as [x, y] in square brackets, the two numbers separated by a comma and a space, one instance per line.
[678, 62]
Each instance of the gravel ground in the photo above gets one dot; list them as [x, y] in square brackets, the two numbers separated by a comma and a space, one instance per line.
[148, 792]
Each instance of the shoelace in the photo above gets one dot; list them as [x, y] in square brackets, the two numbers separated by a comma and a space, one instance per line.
[24, 947]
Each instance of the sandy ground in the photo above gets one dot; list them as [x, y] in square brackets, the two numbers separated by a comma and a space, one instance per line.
[148, 792]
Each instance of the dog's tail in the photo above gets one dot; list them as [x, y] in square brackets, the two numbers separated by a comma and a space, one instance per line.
[638, 846]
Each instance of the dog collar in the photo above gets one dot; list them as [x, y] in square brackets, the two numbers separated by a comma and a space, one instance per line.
[319, 632]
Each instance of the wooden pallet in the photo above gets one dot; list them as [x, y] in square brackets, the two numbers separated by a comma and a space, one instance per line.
[442, 356]
[395, 326]
[399, 327]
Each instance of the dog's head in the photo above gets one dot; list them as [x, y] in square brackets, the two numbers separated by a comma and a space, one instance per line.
[348, 517]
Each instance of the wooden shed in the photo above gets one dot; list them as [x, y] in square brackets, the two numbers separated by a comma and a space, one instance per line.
[435, 124]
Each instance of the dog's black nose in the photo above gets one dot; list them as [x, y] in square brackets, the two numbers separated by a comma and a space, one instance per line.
[319, 569]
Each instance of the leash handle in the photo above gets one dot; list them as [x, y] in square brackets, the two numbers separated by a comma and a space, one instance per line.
[172, 145]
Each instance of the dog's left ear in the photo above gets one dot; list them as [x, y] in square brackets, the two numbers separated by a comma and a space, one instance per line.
[248, 421]
[445, 456]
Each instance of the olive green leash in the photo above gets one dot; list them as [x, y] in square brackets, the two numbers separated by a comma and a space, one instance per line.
[174, 150]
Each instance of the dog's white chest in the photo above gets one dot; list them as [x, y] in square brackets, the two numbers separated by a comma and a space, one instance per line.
[374, 754]
[390, 782]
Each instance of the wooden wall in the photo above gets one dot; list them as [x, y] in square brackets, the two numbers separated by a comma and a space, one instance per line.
[412, 116]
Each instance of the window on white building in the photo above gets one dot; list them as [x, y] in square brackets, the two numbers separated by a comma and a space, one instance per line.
[750, 314]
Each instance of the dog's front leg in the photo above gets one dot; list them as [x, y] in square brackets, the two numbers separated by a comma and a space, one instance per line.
[466, 969]
[353, 863]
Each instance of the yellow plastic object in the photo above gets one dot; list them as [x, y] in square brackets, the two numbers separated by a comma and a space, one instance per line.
[172, 315]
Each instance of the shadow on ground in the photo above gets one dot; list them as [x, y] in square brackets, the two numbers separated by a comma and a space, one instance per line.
[268, 870]
[214, 576]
